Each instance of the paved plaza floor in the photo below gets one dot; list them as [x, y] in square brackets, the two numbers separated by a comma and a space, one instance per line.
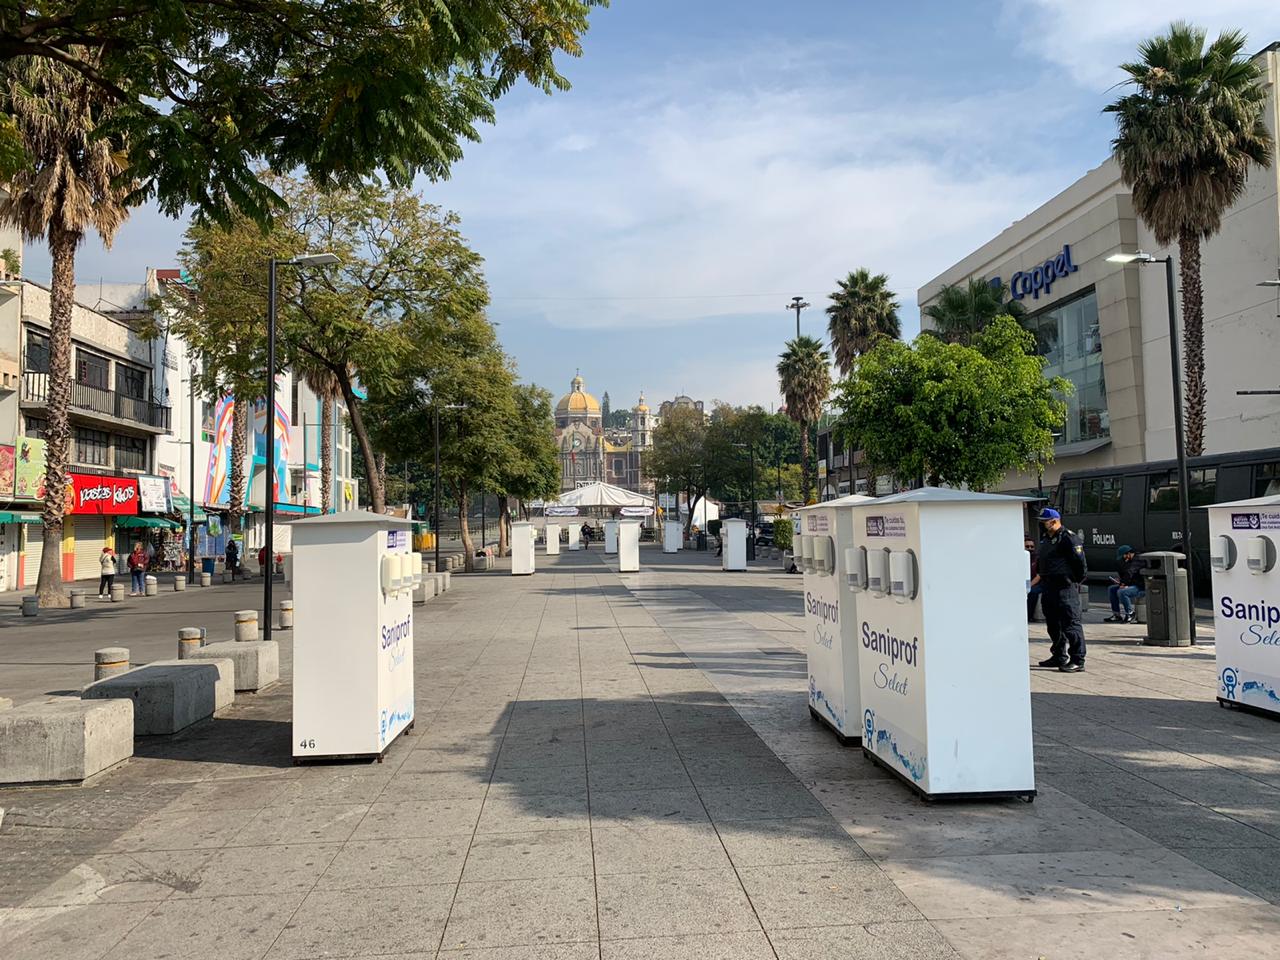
[623, 766]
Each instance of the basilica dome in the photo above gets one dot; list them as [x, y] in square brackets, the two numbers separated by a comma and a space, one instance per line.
[577, 403]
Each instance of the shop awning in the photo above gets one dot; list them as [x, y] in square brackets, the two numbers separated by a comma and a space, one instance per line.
[19, 518]
[158, 523]
[182, 504]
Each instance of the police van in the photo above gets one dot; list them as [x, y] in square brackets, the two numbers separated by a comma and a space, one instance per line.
[1138, 504]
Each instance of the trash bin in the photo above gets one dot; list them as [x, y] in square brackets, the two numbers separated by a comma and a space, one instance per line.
[702, 540]
[1168, 600]
[207, 565]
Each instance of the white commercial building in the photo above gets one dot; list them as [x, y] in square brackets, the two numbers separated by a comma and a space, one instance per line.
[1105, 326]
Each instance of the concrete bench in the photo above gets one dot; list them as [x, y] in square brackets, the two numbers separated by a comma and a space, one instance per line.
[64, 739]
[426, 590]
[170, 695]
[257, 662]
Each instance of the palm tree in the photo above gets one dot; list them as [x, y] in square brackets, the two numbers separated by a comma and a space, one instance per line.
[1185, 141]
[325, 386]
[961, 312]
[805, 374]
[73, 180]
[862, 311]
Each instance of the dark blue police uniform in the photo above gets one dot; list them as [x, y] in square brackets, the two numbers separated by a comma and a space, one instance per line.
[1060, 558]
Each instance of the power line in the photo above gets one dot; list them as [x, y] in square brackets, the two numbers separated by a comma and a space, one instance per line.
[689, 296]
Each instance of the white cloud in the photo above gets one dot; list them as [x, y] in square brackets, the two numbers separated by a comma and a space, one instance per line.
[1089, 38]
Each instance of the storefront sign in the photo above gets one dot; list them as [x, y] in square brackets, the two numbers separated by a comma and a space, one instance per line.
[6, 470]
[28, 469]
[153, 494]
[1040, 279]
[103, 495]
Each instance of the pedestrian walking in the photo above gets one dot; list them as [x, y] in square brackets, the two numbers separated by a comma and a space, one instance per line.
[1062, 569]
[1033, 580]
[586, 536]
[107, 561]
[137, 570]
[1126, 586]
[233, 558]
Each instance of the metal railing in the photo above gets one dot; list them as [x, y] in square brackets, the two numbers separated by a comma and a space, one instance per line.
[35, 389]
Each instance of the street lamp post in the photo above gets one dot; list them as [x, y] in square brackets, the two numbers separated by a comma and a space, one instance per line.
[191, 468]
[797, 304]
[313, 260]
[436, 485]
[751, 460]
[1175, 362]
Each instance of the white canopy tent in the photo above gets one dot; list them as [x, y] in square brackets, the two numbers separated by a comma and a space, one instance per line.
[602, 495]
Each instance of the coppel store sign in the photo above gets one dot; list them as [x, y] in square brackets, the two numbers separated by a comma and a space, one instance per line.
[1038, 280]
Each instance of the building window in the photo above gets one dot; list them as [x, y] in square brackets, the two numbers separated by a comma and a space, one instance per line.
[37, 428]
[1101, 495]
[37, 352]
[1070, 499]
[93, 447]
[131, 453]
[1164, 489]
[92, 370]
[1266, 480]
[1067, 337]
[131, 382]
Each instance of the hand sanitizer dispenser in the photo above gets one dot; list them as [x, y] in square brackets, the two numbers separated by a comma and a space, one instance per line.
[902, 575]
[390, 573]
[823, 555]
[878, 571]
[1222, 553]
[855, 568]
[1262, 555]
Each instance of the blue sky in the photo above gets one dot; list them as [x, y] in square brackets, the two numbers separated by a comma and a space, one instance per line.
[715, 158]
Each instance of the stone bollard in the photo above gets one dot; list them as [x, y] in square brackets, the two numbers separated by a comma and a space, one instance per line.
[206, 579]
[189, 639]
[117, 592]
[151, 586]
[77, 599]
[286, 614]
[179, 583]
[428, 566]
[30, 606]
[109, 661]
[226, 576]
[246, 625]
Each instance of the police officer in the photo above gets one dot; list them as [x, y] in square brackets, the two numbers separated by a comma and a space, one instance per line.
[1061, 563]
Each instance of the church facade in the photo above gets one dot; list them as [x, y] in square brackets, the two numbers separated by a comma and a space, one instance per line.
[590, 453]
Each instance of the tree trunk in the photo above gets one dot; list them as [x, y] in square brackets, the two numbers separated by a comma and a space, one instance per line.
[239, 445]
[377, 492]
[62, 289]
[1193, 400]
[468, 547]
[326, 453]
[805, 485]
[381, 460]
[504, 526]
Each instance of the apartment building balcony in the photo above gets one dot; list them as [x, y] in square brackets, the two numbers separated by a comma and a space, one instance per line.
[95, 404]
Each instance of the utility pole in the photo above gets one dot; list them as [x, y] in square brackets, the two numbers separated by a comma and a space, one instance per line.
[797, 304]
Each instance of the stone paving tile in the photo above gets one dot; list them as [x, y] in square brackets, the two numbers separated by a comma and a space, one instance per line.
[345, 923]
[673, 904]
[519, 912]
[612, 777]
[759, 843]
[81, 933]
[824, 894]
[405, 861]
[123, 878]
[760, 801]
[281, 868]
[542, 779]
[900, 940]
[721, 946]
[559, 951]
[674, 805]
[1059, 883]
[228, 928]
[528, 856]
[302, 822]
[645, 846]
[419, 818]
[518, 813]
[183, 830]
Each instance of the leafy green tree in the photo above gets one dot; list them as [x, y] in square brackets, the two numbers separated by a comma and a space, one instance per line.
[207, 90]
[961, 312]
[74, 179]
[531, 470]
[1186, 140]
[617, 419]
[678, 460]
[955, 414]
[805, 375]
[862, 311]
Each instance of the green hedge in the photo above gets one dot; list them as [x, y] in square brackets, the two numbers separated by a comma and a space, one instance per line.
[782, 530]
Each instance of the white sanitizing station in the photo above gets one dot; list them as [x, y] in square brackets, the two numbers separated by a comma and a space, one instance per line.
[629, 546]
[522, 551]
[942, 642]
[354, 575]
[823, 540]
[733, 535]
[611, 536]
[575, 536]
[1244, 537]
[672, 536]
[553, 539]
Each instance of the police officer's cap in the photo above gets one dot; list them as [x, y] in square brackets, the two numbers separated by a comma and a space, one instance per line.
[1048, 513]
